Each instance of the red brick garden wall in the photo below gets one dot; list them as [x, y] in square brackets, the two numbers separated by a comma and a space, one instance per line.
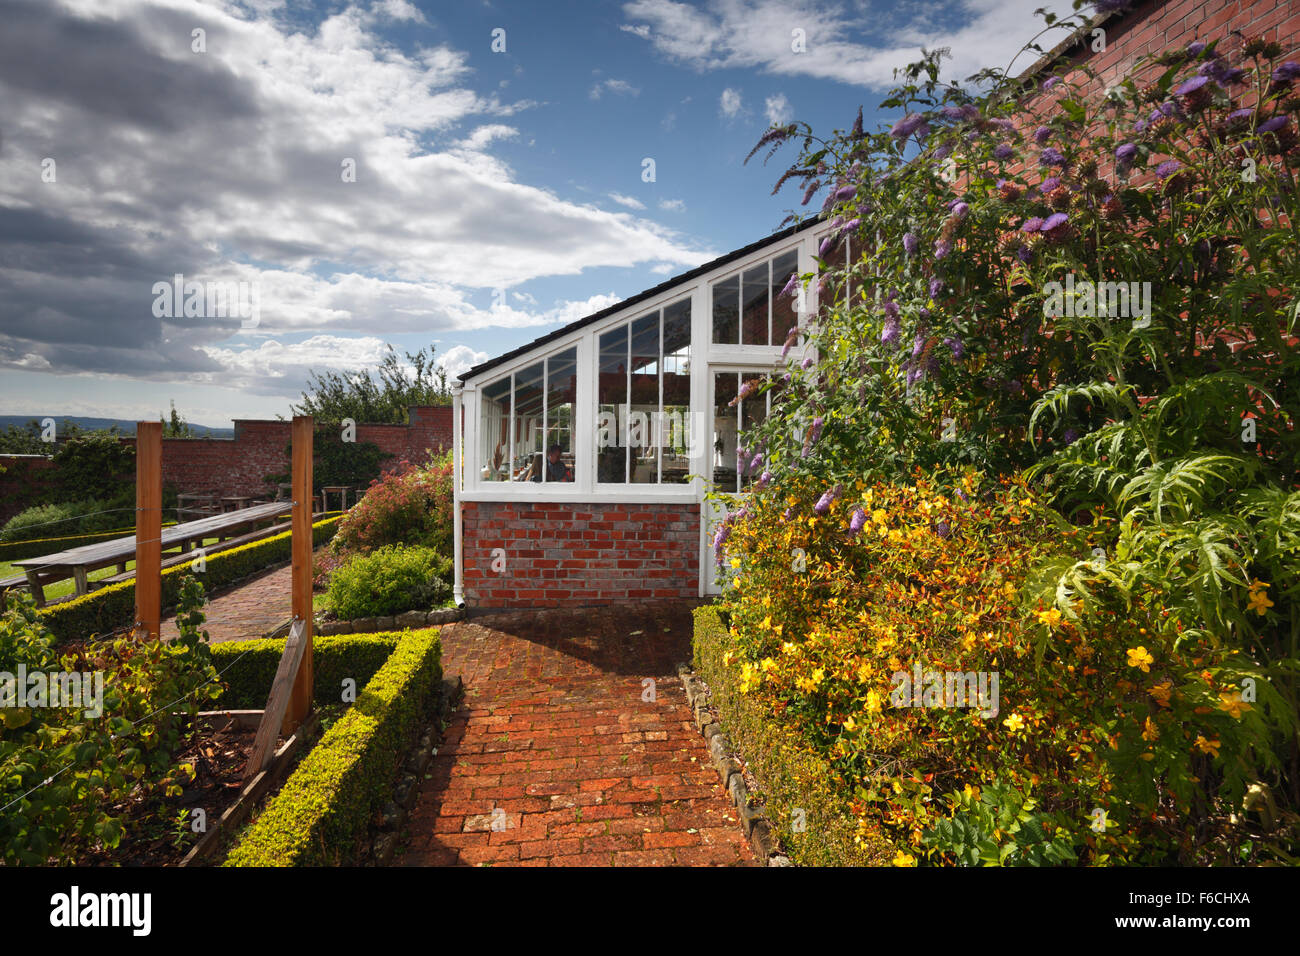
[238, 466]
[22, 474]
[564, 555]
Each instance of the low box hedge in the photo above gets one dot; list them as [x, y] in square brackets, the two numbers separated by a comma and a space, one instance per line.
[792, 777]
[113, 606]
[324, 809]
[248, 667]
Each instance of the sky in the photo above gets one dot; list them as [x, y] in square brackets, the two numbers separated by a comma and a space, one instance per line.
[468, 176]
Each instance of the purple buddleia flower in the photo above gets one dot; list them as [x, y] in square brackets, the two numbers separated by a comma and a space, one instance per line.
[787, 514]
[1273, 125]
[826, 246]
[936, 288]
[955, 343]
[845, 192]
[824, 503]
[941, 248]
[857, 522]
[889, 334]
[856, 132]
[1042, 134]
[918, 343]
[756, 462]
[942, 529]
[962, 495]
[909, 124]
[741, 455]
[720, 539]
[763, 481]
[942, 153]
[1285, 74]
[910, 243]
[1050, 83]
[1168, 168]
[791, 284]
[806, 363]
[1195, 48]
[1051, 157]
[953, 112]
[816, 431]
[960, 210]
[1140, 126]
[914, 375]
[1126, 153]
[1003, 152]
[791, 338]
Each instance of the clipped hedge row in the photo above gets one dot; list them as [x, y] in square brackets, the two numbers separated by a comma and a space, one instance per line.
[35, 547]
[791, 776]
[324, 809]
[248, 667]
[114, 606]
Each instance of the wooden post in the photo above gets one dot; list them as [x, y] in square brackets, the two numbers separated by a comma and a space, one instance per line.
[300, 702]
[148, 526]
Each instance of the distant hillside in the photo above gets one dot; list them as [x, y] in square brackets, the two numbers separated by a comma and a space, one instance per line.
[91, 424]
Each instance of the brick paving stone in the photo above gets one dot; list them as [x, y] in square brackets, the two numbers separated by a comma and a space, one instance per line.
[553, 732]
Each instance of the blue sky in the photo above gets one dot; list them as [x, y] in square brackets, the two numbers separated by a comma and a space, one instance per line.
[479, 173]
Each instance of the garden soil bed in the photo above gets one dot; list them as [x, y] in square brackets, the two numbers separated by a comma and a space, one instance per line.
[219, 757]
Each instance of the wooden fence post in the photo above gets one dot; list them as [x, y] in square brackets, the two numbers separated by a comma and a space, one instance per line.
[148, 526]
[300, 703]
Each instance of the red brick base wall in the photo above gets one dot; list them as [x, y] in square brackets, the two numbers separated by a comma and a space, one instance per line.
[564, 555]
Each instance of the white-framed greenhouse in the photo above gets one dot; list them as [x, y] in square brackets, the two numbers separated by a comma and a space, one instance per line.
[635, 401]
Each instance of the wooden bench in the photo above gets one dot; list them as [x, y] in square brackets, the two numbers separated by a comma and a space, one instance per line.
[208, 551]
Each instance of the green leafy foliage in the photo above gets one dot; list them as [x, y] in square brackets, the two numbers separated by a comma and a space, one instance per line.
[394, 578]
[69, 779]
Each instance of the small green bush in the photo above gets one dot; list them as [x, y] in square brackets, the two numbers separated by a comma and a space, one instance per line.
[326, 806]
[390, 580]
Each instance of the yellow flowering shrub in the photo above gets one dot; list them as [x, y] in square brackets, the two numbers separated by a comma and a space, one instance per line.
[1100, 744]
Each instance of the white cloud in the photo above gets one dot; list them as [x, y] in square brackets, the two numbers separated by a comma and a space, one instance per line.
[672, 205]
[617, 87]
[779, 110]
[858, 44]
[631, 202]
[230, 168]
[729, 104]
[461, 358]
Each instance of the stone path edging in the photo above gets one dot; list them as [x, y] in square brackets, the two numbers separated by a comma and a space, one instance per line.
[722, 755]
[394, 813]
[391, 622]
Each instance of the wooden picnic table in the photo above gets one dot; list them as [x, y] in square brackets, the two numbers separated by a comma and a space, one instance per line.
[77, 563]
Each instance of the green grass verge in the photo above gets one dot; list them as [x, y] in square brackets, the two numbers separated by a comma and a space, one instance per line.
[114, 606]
[320, 815]
[797, 783]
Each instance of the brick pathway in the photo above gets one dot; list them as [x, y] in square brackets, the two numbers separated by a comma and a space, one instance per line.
[553, 735]
[245, 612]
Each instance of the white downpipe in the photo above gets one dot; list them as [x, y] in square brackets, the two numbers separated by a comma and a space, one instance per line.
[457, 467]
